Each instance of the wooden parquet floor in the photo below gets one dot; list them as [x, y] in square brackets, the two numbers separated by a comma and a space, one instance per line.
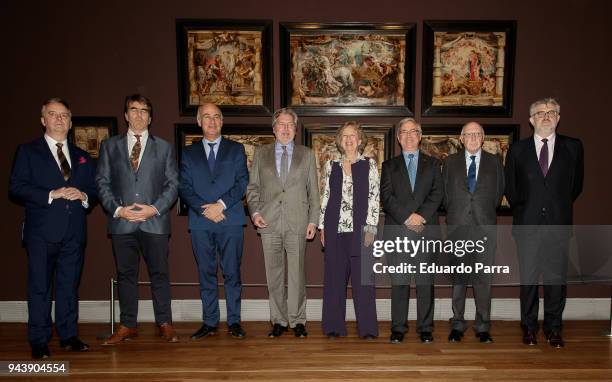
[587, 356]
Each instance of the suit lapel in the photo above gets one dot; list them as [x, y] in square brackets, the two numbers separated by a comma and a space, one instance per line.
[296, 161]
[148, 155]
[74, 162]
[532, 157]
[557, 150]
[50, 158]
[123, 150]
[270, 158]
[403, 172]
[221, 154]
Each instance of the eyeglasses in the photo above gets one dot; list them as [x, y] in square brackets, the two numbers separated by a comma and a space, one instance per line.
[549, 114]
[214, 117]
[58, 115]
[286, 125]
[472, 135]
[410, 132]
[135, 110]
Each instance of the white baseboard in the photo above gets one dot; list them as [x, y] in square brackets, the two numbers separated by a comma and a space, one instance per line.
[258, 310]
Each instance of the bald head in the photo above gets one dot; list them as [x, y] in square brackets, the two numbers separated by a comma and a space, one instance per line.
[210, 119]
[472, 137]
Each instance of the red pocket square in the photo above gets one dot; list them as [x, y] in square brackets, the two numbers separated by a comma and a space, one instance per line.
[82, 160]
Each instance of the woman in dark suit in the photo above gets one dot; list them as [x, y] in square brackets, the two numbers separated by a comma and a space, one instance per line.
[349, 207]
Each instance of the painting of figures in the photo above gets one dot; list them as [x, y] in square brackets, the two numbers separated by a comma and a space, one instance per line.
[225, 65]
[468, 68]
[341, 69]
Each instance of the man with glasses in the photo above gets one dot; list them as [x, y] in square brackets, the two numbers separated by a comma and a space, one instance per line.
[213, 181]
[283, 198]
[137, 181]
[55, 181]
[473, 189]
[544, 175]
[411, 191]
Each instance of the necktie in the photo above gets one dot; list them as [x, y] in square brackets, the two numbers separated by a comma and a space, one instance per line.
[411, 170]
[135, 155]
[284, 165]
[211, 157]
[63, 161]
[544, 157]
[472, 174]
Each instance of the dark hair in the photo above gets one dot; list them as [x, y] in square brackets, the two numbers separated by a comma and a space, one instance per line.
[54, 100]
[138, 98]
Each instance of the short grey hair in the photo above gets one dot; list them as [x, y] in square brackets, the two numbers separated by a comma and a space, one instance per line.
[544, 101]
[474, 122]
[406, 120]
[287, 111]
[53, 100]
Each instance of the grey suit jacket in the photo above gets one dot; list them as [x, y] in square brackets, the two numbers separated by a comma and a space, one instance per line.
[464, 208]
[289, 207]
[155, 183]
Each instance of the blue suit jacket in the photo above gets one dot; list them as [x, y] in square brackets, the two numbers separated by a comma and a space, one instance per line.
[35, 173]
[228, 183]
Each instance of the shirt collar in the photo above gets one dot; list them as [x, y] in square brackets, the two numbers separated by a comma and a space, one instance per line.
[52, 142]
[468, 154]
[405, 153]
[538, 139]
[289, 145]
[143, 135]
[206, 141]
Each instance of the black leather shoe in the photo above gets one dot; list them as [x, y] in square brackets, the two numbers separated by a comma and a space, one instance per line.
[484, 337]
[396, 337]
[426, 337]
[277, 330]
[204, 331]
[300, 331]
[236, 331]
[530, 338]
[40, 351]
[74, 344]
[369, 337]
[332, 335]
[555, 340]
[455, 336]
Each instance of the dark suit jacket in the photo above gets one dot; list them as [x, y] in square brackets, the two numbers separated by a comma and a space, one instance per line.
[463, 207]
[398, 199]
[538, 200]
[35, 173]
[155, 183]
[228, 183]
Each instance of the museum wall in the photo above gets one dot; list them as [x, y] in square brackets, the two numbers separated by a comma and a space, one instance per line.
[93, 53]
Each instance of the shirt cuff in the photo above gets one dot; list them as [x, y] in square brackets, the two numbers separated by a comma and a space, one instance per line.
[222, 203]
[116, 214]
[50, 198]
[156, 210]
[85, 203]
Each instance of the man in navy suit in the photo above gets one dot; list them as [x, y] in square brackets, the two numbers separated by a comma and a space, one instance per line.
[55, 181]
[544, 175]
[213, 182]
[137, 182]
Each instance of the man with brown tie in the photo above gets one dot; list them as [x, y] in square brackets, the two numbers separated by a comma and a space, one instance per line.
[55, 181]
[137, 181]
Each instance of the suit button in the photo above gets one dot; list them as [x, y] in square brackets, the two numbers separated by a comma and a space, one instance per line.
[543, 210]
[67, 207]
[280, 202]
[213, 182]
[137, 195]
[283, 190]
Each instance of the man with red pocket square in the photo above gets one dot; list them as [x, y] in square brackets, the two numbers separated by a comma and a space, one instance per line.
[55, 181]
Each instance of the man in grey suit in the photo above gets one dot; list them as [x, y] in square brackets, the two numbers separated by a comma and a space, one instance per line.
[411, 192]
[473, 189]
[283, 199]
[137, 180]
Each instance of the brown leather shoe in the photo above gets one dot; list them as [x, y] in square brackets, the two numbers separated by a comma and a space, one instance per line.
[166, 331]
[121, 334]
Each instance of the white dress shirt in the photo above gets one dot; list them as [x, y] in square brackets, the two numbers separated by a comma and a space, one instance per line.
[52, 146]
[468, 161]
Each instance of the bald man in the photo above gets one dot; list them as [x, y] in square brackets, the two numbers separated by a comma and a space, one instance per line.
[214, 178]
[473, 189]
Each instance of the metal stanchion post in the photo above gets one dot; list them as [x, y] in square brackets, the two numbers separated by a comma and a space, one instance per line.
[112, 305]
[609, 334]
